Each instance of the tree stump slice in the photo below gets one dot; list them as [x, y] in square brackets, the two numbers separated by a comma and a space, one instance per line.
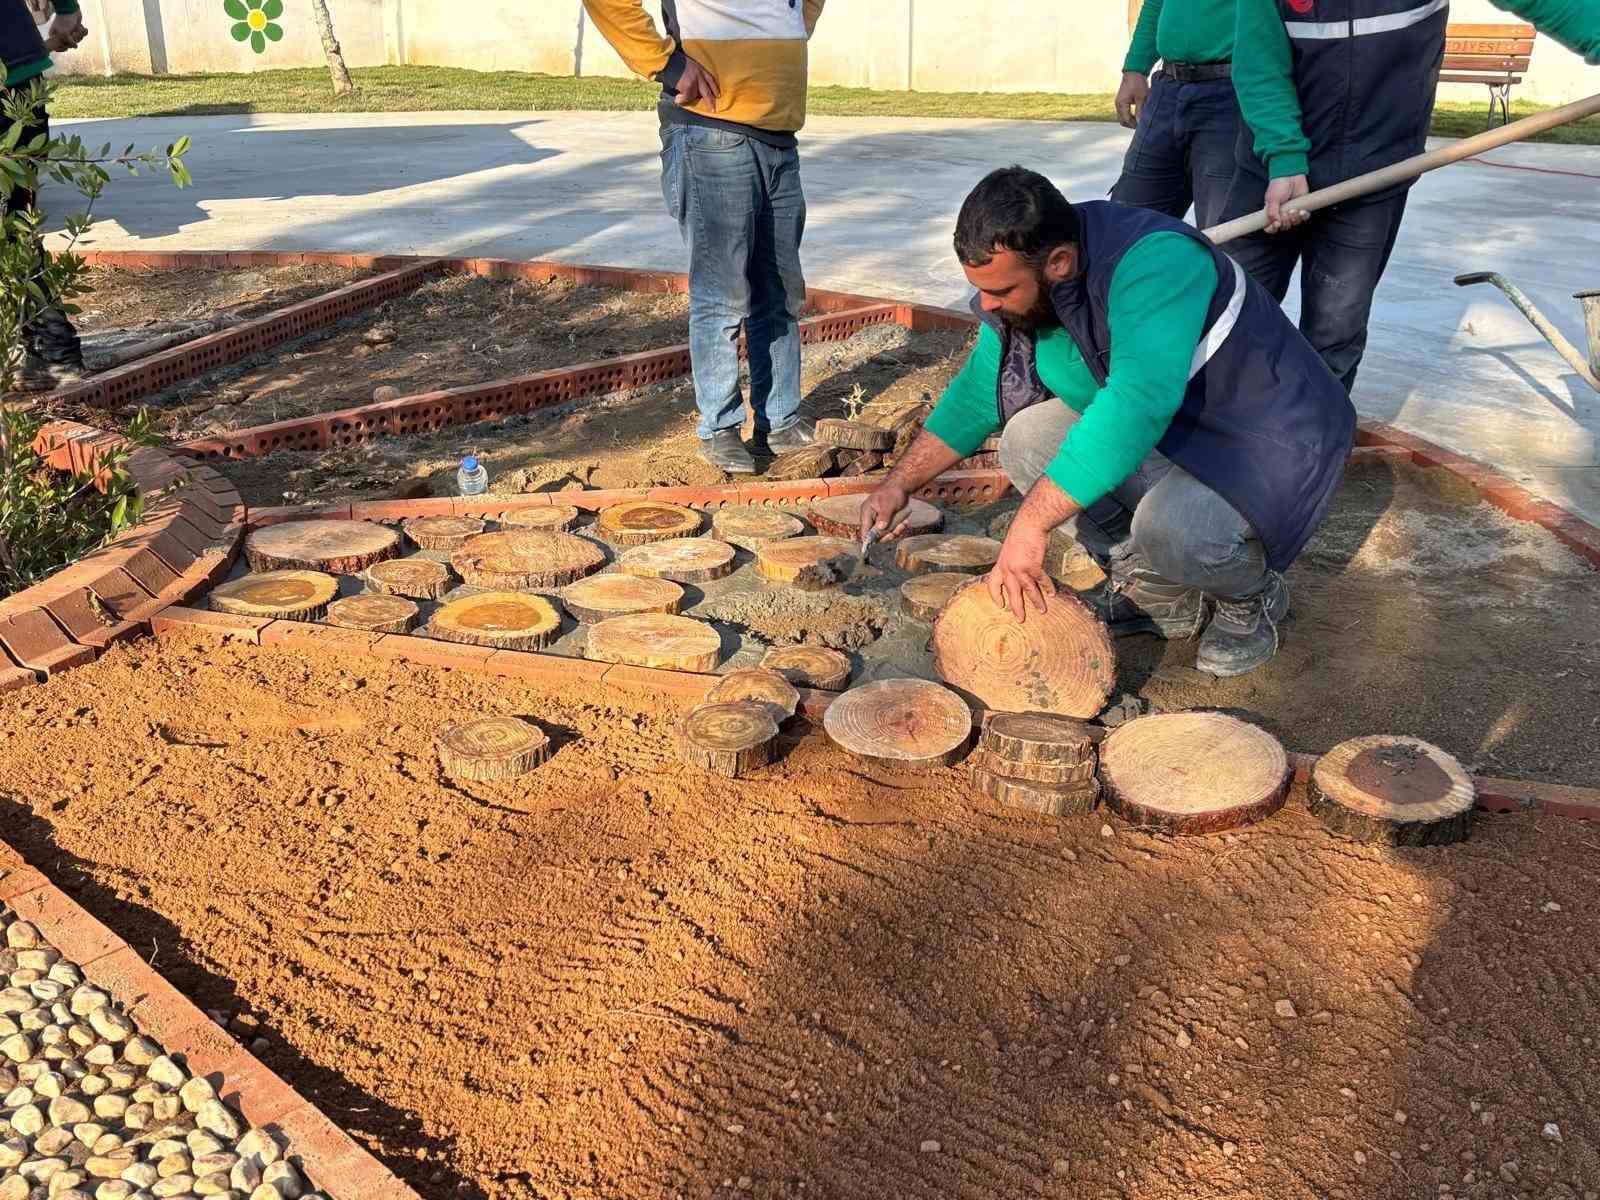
[1193, 772]
[491, 748]
[804, 559]
[375, 613]
[752, 528]
[922, 598]
[1022, 739]
[442, 533]
[840, 516]
[1050, 799]
[863, 462]
[682, 560]
[601, 597]
[504, 620]
[419, 578]
[1392, 789]
[337, 547]
[900, 723]
[853, 435]
[526, 558]
[279, 595]
[809, 666]
[758, 685]
[730, 738]
[960, 552]
[641, 522]
[557, 518]
[1065, 560]
[655, 640]
[812, 462]
[1058, 661]
[1067, 775]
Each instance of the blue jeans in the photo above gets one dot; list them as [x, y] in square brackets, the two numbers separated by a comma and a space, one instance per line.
[1182, 151]
[740, 206]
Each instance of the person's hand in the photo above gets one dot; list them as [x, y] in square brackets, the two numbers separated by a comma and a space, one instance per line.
[64, 32]
[1135, 90]
[1279, 193]
[695, 85]
[883, 509]
[1018, 577]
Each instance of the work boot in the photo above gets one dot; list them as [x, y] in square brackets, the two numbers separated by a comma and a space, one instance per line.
[52, 354]
[1244, 632]
[1143, 602]
[795, 437]
[726, 452]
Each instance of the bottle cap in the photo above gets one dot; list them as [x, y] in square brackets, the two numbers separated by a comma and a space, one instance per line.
[469, 464]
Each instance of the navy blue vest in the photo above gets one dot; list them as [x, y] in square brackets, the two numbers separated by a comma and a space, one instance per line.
[19, 37]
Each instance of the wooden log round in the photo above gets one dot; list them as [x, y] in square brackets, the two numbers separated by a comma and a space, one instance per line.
[752, 528]
[730, 738]
[840, 516]
[1065, 560]
[526, 558]
[641, 522]
[419, 578]
[959, 552]
[1193, 772]
[655, 640]
[809, 666]
[1392, 789]
[557, 518]
[1053, 800]
[758, 685]
[1060, 660]
[337, 547]
[491, 748]
[442, 533]
[1054, 774]
[601, 597]
[864, 462]
[279, 595]
[922, 598]
[1026, 738]
[504, 620]
[682, 560]
[853, 435]
[809, 462]
[375, 613]
[900, 723]
[788, 561]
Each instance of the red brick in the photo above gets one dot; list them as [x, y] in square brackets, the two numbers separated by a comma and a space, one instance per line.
[553, 670]
[258, 517]
[400, 510]
[429, 652]
[591, 501]
[119, 632]
[327, 1153]
[1579, 536]
[75, 612]
[682, 687]
[783, 494]
[163, 540]
[66, 926]
[177, 619]
[814, 703]
[317, 637]
[120, 592]
[17, 881]
[35, 641]
[159, 1009]
[13, 678]
[1555, 799]
[149, 571]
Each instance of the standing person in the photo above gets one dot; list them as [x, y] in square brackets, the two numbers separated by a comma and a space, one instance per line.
[1331, 89]
[1187, 121]
[733, 95]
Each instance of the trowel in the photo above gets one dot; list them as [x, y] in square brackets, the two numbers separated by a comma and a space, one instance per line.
[830, 572]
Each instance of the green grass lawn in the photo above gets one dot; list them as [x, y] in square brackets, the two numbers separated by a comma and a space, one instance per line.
[445, 89]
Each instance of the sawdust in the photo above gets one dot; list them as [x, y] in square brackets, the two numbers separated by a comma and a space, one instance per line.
[783, 618]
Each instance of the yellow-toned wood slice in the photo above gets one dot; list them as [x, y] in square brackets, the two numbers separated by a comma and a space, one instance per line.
[729, 738]
[504, 620]
[922, 598]
[1193, 772]
[683, 560]
[1055, 800]
[491, 748]
[337, 547]
[612, 594]
[1052, 774]
[280, 595]
[556, 518]
[809, 666]
[853, 435]
[655, 640]
[419, 578]
[960, 552]
[375, 613]
[526, 558]
[1020, 739]
[840, 516]
[442, 533]
[792, 560]
[752, 528]
[642, 522]
[1393, 789]
[900, 723]
[759, 685]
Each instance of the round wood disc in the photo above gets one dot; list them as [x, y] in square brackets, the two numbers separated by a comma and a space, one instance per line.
[759, 685]
[491, 748]
[1052, 774]
[786, 561]
[1059, 660]
[853, 435]
[684, 560]
[1050, 799]
[1193, 772]
[840, 516]
[526, 558]
[442, 533]
[600, 597]
[655, 640]
[374, 612]
[752, 528]
[640, 522]
[961, 552]
[281, 595]
[419, 578]
[1388, 788]
[338, 547]
[900, 723]
[1026, 738]
[809, 666]
[504, 620]
[558, 518]
[729, 738]
[922, 598]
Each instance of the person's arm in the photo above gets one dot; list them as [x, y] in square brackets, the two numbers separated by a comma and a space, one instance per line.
[813, 11]
[1142, 53]
[637, 41]
[1573, 23]
[1263, 79]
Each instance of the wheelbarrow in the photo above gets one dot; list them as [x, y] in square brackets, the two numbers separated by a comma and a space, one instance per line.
[1588, 371]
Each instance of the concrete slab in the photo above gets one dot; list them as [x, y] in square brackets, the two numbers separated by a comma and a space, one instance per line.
[1458, 366]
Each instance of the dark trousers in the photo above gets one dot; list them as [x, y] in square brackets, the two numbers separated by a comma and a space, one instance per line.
[49, 333]
[1182, 152]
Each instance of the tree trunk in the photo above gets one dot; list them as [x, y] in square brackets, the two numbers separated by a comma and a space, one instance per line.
[330, 47]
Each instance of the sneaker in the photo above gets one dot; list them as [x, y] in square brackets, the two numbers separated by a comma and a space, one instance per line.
[36, 374]
[794, 437]
[726, 452]
[1143, 602]
[1244, 632]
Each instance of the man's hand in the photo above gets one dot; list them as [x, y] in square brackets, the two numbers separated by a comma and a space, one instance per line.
[696, 86]
[1135, 90]
[1279, 193]
[1018, 577]
[883, 508]
[64, 32]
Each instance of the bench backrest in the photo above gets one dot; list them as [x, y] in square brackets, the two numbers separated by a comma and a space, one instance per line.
[1487, 53]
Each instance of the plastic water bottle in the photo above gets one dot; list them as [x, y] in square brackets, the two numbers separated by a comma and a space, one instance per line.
[473, 478]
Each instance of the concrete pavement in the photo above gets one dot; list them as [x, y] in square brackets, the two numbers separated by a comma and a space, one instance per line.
[1458, 366]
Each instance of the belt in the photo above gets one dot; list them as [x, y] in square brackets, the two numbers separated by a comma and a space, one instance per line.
[1198, 72]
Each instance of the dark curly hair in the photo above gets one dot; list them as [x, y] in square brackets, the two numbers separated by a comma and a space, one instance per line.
[1014, 208]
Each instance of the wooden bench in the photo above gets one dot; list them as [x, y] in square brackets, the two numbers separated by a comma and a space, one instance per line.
[1494, 55]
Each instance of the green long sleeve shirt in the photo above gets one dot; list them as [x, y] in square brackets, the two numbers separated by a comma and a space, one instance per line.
[1160, 293]
[24, 71]
[1190, 31]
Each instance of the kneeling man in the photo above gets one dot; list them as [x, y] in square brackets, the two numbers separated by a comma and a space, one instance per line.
[1154, 400]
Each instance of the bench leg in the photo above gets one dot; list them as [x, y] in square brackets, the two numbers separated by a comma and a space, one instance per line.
[1499, 94]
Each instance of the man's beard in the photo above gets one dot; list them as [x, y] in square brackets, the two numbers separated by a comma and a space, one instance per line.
[1041, 316]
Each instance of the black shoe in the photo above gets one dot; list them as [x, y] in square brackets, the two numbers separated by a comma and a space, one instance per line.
[1244, 633]
[726, 452]
[793, 437]
[1143, 602]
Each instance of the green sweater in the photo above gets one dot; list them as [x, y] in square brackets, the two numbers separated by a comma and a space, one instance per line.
[1160, 293]
[1188, 31]
[24, 71]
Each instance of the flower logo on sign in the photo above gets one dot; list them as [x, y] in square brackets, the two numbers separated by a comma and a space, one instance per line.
[255, 21]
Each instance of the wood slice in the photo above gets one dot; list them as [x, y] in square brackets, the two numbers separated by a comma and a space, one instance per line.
[853, 435]
[752, 528]
[419, 578]
[1392, 789]
[992, 442]
[865, 460]
[442, 533]
[811, 462]
[728, 738]
[1059, 660]
[491, 748]
[900, 723]
[281, 595]
[338, 547]
[1027, 738]
[1070, 775]
[758, 685]
[526, 558]
[907, 424]
[558, 518]
[1052, 800]
[374, 612]
[840, 516]
[961, 552]
[800, 558]
[504, 620]
[1065, 560]
[684, 560]
[640, 522]
[809, 666]
[922, 598]
[1193, 772]
[655, 640]
[601, 597]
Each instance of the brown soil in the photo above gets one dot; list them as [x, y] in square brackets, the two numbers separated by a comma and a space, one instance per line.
[127, 299]
[617, 979]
